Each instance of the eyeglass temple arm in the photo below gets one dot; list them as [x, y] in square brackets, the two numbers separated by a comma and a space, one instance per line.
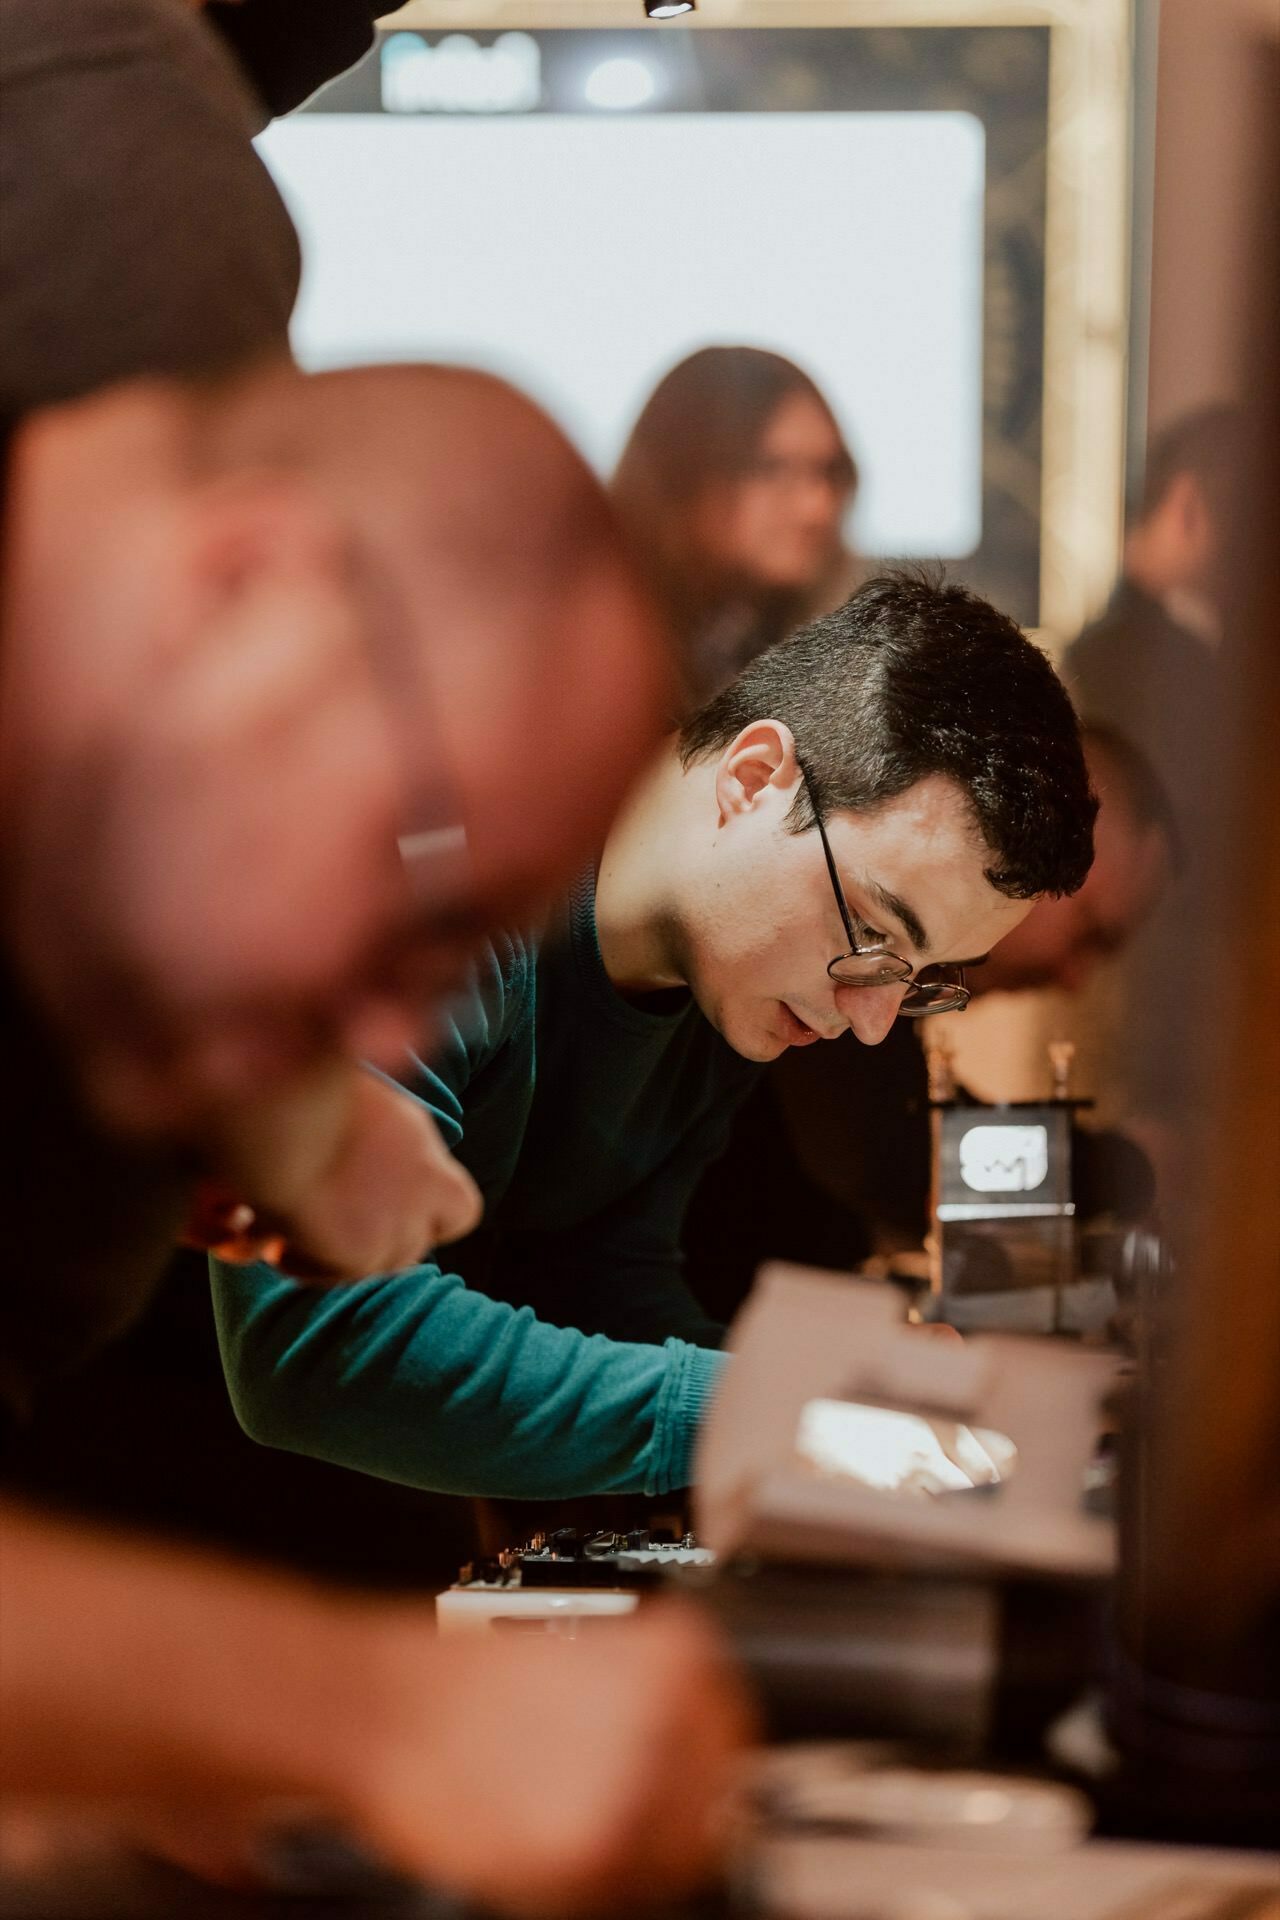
[836, 888]
[845, 916]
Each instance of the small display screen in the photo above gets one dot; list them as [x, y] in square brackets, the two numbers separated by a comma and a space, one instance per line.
[1004, 1159]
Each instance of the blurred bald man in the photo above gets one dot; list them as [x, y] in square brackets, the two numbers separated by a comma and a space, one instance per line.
[301, 686]
[294, 701]
[301, 682]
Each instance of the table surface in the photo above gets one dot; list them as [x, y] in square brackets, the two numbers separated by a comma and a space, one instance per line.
[787, 1877]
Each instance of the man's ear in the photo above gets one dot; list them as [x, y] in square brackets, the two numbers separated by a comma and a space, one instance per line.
[761, 760]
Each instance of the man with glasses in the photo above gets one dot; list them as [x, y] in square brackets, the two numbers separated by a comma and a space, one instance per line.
[829, 1161]
[587, 1082]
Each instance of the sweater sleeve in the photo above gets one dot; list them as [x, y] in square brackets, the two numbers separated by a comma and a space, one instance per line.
[416, 1377]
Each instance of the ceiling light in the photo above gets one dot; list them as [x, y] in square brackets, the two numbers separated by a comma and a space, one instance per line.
[619, 84]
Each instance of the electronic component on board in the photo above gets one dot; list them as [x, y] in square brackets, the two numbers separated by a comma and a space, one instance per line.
[565, 1575]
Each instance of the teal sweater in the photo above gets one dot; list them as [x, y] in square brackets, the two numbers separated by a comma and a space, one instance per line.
[558, 1351]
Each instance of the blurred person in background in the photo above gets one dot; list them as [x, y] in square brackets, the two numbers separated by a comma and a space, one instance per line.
[1157, 665]
[1151, 663]
[1137, 854]
[735, 483]
[829, 1160]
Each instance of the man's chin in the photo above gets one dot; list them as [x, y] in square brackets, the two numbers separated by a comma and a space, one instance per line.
[762, 1051]
[755, 1043]
[751, 1039]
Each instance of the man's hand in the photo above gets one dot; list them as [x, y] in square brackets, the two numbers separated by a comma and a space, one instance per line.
[345, 1177]
[197, 1701]
[542, 1776]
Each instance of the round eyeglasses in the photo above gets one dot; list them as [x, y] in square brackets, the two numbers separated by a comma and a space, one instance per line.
[870, 962]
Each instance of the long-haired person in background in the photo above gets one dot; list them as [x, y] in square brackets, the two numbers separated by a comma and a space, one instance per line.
[735, 483]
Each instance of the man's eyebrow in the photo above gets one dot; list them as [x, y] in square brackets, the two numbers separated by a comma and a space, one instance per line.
[908, 920]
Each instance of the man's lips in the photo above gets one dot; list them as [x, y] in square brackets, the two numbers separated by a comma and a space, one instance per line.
[797, 1033]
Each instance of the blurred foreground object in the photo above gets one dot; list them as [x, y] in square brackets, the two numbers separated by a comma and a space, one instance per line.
[288, 48]
[202, 1712]
[142, 233]
[270, 655]
[1196, 1688]
[978, 1875]
[906, 1544]
[348, 1176]
[839, 1436]
[264, 779]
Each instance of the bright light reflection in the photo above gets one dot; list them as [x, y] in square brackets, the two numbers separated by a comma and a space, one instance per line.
[895, 1452]
[619, 83]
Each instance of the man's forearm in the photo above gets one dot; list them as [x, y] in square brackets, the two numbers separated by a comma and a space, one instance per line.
[192, 1697]
[129, 1669]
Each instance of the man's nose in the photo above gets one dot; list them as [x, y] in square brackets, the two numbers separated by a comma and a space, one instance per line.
[870, 1011]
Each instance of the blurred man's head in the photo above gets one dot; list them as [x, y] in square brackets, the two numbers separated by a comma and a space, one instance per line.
[1177, 542]
[1062, 941]
[307, 682]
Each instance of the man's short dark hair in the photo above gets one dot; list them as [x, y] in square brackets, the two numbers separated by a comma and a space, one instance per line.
[913, 677]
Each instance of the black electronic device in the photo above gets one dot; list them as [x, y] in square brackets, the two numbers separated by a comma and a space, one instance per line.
[569, 1558]
[1006, 1249]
